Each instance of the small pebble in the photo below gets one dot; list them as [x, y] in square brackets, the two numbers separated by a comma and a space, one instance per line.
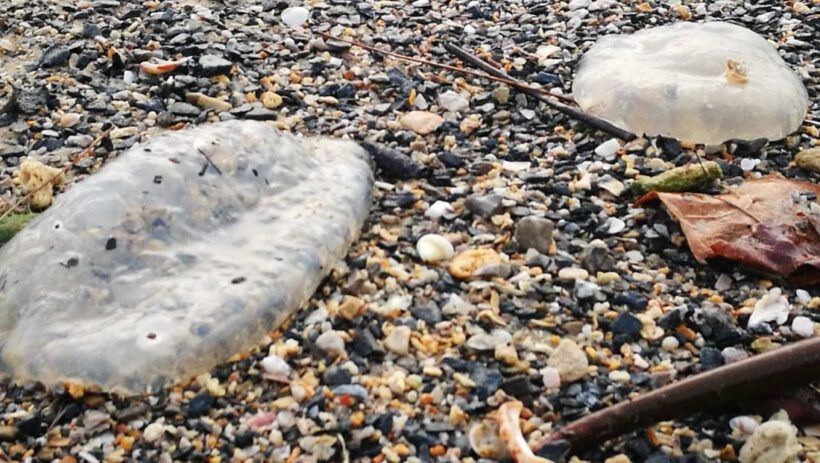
[295, 16]
[803, 326]
[670, 343]
[398, 341]
[331, 343]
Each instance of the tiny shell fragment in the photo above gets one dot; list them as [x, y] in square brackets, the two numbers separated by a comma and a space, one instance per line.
[159, 68]
[510, 431]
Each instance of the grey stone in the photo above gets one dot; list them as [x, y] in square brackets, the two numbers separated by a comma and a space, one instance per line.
[534, 233]
[484, 205]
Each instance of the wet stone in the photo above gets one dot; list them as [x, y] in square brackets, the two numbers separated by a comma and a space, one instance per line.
[484, 205]
[213, 65]
[55, 55]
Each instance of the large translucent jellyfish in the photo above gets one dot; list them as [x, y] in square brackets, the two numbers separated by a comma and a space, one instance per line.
[177, 255]
[701, 83]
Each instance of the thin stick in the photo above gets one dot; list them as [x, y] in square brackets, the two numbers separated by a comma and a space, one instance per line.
[509, 81]
[544, 97]
[783, 368]
[81, 155]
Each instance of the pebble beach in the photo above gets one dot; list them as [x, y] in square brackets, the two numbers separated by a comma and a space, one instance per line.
[584, 299]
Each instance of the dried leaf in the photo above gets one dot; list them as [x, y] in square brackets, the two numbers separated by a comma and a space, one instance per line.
[765, 224]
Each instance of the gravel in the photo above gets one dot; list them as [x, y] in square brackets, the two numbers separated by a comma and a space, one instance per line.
[395, 377]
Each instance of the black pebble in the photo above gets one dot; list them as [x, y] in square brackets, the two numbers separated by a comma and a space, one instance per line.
[451, 160]
[710, 358]
[487, 380]
[243, 440]
[199, 405]
[632, 300]
[627, 324]
[337, 376]
[111, 244]
[55, 55]
[33, 427]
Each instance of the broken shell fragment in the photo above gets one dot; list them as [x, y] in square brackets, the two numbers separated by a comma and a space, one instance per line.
[162, 67]
[485, 441]
[510, 431]
[434, 248]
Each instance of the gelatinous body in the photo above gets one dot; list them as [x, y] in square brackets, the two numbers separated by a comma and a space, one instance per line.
[700, 83]
[178, 254]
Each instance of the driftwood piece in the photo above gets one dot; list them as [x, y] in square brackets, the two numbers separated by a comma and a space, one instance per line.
[765, 374]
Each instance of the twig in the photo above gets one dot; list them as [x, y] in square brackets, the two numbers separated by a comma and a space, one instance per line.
[81, 155]
[545, 97]
[208, 158]
[783, 368]
[509, 81]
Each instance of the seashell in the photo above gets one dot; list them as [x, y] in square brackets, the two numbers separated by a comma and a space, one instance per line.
[773, 307]
[434, 248]
[485, 441]
[160, 68]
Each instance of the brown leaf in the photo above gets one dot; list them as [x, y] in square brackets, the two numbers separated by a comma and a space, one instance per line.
[761, 224]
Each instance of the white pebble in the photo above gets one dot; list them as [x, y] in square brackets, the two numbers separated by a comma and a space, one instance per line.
[276, 368]
[744, 424]
[616, 225]
[803, 296]
[619, 376]
[608, 148]
[398, 341]
[803, 326]
[748, 165]
[572, 273]
[153, 431]
[670, 343]
[438, 210]
[295, 16]
[331, 342]
[434, 248]
[551, 377]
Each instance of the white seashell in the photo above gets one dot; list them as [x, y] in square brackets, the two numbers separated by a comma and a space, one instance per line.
[434, 248]
[295, 16]
[771, 307]
[485, 442]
